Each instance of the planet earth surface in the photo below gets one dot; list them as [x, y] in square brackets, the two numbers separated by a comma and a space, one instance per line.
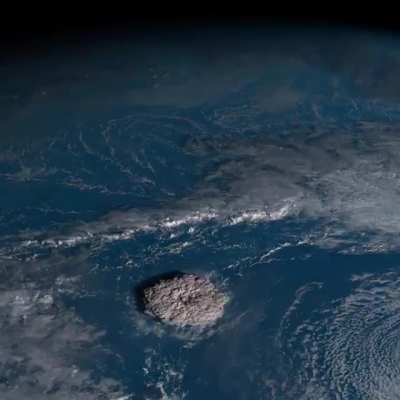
[265, 159]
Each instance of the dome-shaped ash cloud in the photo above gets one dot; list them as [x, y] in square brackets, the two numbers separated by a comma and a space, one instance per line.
[181, 299]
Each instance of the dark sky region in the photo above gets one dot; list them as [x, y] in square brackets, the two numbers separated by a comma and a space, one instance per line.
[27, 29]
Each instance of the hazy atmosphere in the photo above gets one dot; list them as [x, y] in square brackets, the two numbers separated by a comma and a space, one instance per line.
[256, 165]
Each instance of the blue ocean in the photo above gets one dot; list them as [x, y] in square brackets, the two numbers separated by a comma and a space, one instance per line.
[266, 159]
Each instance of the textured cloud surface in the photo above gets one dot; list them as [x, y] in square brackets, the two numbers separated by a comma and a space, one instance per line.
[46, 349]
[348, 181]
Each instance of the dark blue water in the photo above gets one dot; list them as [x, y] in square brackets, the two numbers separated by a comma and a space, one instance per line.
[268, 163]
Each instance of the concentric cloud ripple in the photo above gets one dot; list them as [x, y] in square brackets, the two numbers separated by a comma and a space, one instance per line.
[350, 348]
